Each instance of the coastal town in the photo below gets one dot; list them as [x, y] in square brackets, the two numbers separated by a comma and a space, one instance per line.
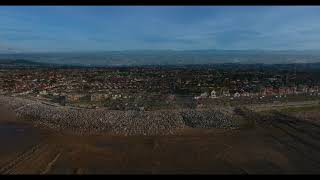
[182, 89]
[149, 88]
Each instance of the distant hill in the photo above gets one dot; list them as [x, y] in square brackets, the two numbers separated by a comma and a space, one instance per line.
[22, 63]
[315, 67]
[169, 57]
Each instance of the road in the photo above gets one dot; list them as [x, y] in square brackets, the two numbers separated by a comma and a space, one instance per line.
[275, 106]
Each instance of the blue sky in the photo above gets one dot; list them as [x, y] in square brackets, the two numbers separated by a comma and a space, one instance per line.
[92, 28]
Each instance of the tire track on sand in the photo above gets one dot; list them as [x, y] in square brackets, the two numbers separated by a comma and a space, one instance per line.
[51, 163]
[24, 156]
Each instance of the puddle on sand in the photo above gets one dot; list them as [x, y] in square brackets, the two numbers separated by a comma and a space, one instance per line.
[15, 136]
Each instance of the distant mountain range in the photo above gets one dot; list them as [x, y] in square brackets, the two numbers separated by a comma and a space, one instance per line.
[168, 57]
[21, 63]
[315, 67]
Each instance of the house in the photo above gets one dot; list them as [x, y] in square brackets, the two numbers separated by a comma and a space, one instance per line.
[226, 93]
[61, 99]
[213, 94]
[312, 91]
[245, 94]
[74, 97]
[236, 95]
[281, 91]
[171, 98]
[97, 97]
[263, 92]
[204, 95]
[270, 91]
[197, 97]
[294, 90]
[43, 92]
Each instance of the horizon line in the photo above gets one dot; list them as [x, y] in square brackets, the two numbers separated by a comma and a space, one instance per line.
[176, 50]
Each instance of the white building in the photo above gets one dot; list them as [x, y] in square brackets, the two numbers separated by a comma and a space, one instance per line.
[43, 92]
[204, 95]
[236, 95]
[226, 93]
[213, 94]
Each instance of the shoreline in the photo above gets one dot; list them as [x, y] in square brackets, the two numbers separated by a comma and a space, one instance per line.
[130, 123]
[111, 121]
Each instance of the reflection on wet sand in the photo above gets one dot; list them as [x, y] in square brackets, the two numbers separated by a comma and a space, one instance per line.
[6, 114]
[281, 148]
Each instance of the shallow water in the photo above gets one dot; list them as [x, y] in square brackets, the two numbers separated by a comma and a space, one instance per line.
[16, 136]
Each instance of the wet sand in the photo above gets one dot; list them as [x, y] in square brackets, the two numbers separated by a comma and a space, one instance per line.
[287, 146]
[253, 151]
